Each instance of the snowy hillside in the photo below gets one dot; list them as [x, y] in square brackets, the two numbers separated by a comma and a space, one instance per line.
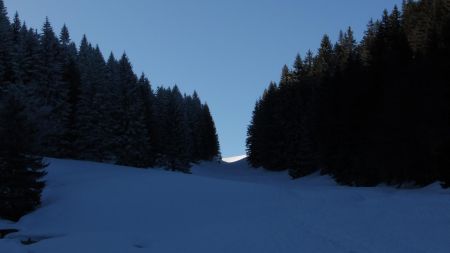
[227, 207]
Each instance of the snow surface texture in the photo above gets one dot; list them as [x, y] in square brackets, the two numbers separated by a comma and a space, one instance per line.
[228, 207]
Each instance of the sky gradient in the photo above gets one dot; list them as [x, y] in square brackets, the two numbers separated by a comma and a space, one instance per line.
[228, 51]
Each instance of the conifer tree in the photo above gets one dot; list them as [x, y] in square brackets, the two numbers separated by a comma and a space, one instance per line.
[93, 76]
[369, 113]
[264, 135]
[309, 63]
[49, 90]
[286, 76]
[176, 151]
[85, 108]
[147, 100]
[6, 47]
[50, 76]
[299, 67]
[29, 60]
[64, 36]
[20, 171]
[253, 141]
[194, 116]
[210, 142]
[113, 111]
[323, 64]
[17, 50]
[69, 139]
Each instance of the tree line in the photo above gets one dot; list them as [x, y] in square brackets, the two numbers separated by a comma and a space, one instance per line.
[60, 100]
[372, 112]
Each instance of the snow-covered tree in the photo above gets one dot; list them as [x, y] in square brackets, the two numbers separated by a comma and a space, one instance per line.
[85, 108]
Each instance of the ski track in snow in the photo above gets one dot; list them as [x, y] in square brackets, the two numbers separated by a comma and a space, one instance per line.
[226, 207]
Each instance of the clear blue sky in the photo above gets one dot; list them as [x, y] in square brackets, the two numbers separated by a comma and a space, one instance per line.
[227, 50]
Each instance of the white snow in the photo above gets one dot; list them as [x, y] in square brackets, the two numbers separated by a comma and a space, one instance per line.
[228, 207]
[234, 158]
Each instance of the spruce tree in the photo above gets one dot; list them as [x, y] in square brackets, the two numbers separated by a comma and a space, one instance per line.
[29, 62]
[85, 108]
[177, 147]
[297, 98]
[6, 48]
[264, 138]
[309, 63]
[286, 76]
[20, 171]
[92, 125]
[210, 142]
[113, 109]
[51, 68]
[69, 140]
[323, 64]
[64, 36]
[195, 125]
[17, 52]
[161, 117]
[299, 68]
[49, 91]
[133, 136]
[146, 110]
[253, 146]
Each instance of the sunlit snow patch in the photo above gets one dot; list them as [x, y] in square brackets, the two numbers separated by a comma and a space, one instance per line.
[234, 158]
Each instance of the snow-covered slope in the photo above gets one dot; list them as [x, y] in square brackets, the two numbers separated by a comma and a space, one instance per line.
[234, 158]
[227, 207]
